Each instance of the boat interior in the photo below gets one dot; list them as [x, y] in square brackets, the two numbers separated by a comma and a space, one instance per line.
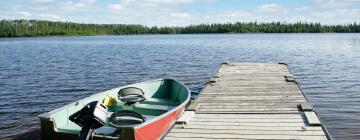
[136, 104]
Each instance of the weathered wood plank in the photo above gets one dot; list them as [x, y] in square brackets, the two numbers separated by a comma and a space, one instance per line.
[306, 107]
[249, 120]
[194, 105]
[185, 117]
[254, 97]
[255, 86]
[234, 136]
[216, 89]
[252, 93]
[242, 104]
[248, 107]
[239, 95]
[248, 116]
[227, 110]
[210, 124]
[255, 128]
[253, 80]
[312, 119]
[289, 100]
[251, 73]
[180, 138]
[248, 132]
[250, 101]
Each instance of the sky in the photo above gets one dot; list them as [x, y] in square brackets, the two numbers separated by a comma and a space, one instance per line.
[182, 12]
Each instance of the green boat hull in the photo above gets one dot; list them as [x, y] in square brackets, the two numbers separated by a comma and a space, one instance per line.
[165, 101]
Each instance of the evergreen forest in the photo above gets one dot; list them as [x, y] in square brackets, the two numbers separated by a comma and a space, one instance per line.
[32, 28]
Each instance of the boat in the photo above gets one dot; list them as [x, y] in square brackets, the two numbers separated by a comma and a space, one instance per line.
[148, 115]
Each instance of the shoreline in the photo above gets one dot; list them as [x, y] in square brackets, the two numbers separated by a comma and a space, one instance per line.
[33, 28]
[104, 35]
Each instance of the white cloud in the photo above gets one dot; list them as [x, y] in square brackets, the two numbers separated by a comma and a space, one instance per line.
[89, 1]
[336, 3]
[209, 1]
[78, 6]
[342, 14]
[182, 15]
[28, 15]
[50, 17]
[175, 13]
[41, 8]
[227, 16]
[148, 12]
[167, 2]
[303, 9]
[22, 14]
[156, 3]
[271, 8]
[128, 1]
[43, 1]
[115, 7]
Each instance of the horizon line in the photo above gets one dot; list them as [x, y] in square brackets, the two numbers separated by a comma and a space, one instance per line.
[209, 23]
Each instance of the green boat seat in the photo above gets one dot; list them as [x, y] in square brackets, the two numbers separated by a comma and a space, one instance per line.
[70, 127]
[106, 130]
[160, 101]
[149, 117]
[154, 107]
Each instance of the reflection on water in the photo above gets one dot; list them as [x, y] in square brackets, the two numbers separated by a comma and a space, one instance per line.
[41, 74]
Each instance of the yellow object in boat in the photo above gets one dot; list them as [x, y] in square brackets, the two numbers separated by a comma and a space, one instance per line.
[109, 101]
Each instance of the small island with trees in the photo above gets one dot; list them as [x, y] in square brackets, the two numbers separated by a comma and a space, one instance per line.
[34, 28]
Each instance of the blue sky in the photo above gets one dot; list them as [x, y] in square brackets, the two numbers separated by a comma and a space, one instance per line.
[182, 12]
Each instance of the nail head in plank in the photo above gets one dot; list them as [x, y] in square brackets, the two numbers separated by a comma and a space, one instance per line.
[212, 80]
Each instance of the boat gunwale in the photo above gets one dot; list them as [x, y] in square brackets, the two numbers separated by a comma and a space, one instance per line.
[46, 115]
[183, 104]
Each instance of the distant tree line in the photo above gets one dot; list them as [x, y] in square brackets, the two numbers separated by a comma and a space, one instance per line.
[30, 28]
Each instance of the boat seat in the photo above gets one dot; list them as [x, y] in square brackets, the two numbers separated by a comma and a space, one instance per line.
[106, 130]
[69, 127]
[112, 131]
[149, 117]
[159, 101]
[154, 107]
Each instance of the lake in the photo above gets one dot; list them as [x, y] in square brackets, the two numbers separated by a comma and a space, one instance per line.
[41, 74]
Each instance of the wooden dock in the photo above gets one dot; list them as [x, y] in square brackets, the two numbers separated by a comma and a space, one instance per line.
[250, 101]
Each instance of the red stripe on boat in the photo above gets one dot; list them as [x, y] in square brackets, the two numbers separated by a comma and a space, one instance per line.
[157, 129]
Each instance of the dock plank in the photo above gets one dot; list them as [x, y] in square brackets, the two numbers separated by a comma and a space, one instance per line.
[312, 119]
[185, 117]
[250, 101]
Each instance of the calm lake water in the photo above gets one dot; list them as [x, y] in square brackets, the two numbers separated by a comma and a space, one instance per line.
[41, 74]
